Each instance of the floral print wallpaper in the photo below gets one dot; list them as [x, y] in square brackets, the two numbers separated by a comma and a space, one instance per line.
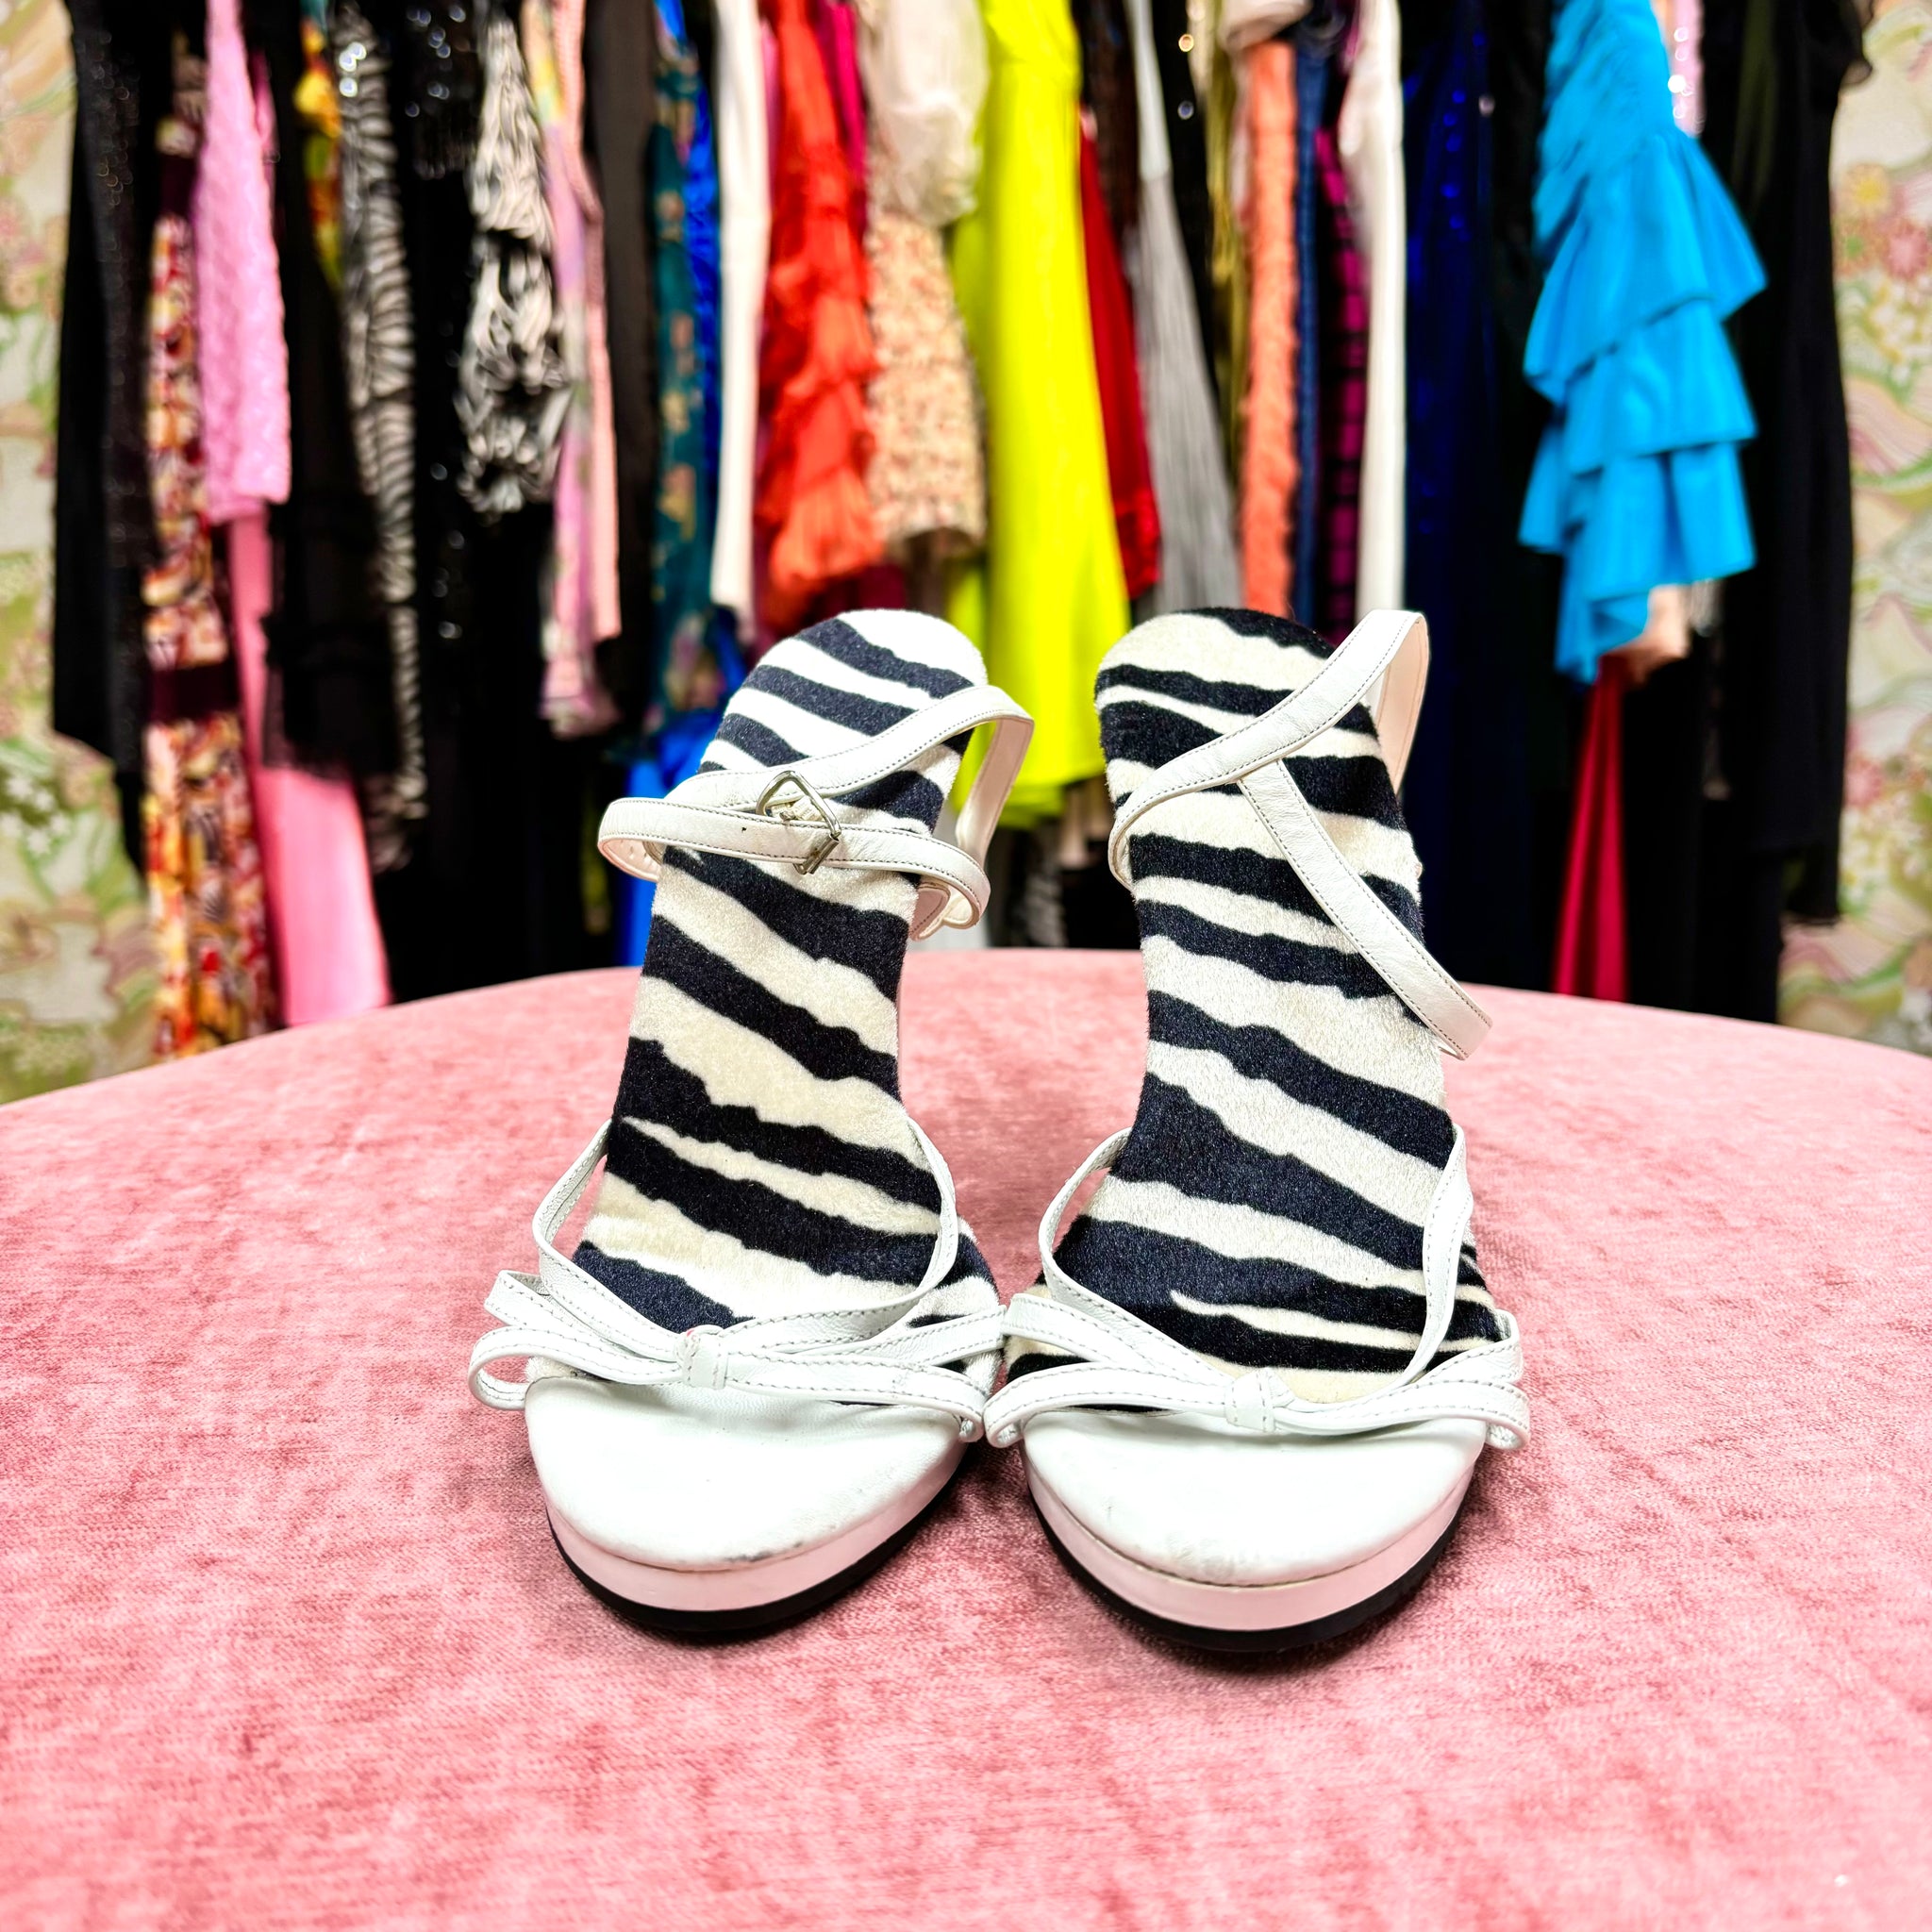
[1870, 975]
[77, 966]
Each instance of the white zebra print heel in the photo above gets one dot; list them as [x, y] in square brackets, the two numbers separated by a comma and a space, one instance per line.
[1256, 1376]
[775, 1337]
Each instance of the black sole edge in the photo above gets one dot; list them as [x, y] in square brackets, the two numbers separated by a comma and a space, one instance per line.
[1289, 1636]
[754, 1620]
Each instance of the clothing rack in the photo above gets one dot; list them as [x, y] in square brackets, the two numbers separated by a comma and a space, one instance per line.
[456, 396]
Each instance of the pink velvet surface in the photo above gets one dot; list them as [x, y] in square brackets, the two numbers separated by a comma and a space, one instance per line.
[283, 1643]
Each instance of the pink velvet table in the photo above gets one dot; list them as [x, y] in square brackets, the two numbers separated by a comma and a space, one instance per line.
[284, 1642]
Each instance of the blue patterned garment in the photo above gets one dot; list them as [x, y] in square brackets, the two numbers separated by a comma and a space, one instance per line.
[701, 244]
[1637, 481]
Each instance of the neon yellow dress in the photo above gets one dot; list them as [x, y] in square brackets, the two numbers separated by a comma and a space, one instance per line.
[1048, 599]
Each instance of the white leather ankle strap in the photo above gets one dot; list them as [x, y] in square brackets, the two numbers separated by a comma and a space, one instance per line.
[1123, 1362]
[1389, 646]
[892, 1352]
[791, 812]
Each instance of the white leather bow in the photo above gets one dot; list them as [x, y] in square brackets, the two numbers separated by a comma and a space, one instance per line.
[1123, 1362]
[891, 1353]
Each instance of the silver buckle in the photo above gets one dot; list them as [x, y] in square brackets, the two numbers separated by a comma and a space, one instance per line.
[799, 809]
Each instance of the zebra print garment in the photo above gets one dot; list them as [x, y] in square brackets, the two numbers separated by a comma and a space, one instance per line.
[759, 1161]
[513, 386]
[1267, 1209]
[379, 363]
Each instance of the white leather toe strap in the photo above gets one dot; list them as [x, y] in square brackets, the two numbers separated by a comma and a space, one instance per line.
[1387, 655]
[894, 1352]
[792, 813]
[1120, 1362]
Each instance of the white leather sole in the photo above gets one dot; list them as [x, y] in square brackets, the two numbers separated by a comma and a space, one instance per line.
[1245, 1610]
[749, 1586]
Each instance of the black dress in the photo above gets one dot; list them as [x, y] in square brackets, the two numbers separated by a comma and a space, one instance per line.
[103, 520]
[333, 705]
[1734, 762]
[492, 889]
[620, 107]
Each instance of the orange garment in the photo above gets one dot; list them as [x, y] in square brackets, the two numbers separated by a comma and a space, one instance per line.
[811, 507]
[1270, 470]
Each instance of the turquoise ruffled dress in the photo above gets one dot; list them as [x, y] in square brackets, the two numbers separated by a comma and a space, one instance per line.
[1636, 483]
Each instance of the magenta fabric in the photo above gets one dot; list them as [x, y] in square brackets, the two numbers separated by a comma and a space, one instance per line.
[283, 1643]
[329, 956]
[243, 358]
[1343, 367]
[1593, 947]
[838, 36]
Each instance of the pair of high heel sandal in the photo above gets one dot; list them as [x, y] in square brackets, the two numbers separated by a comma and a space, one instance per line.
[1256, 1376]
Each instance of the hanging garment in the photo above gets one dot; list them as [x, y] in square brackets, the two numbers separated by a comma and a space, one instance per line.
[1106, 92]
[379, 372]
[1467, 794]
[446, 84]
[1637, 481]
[512, 389]
[1870, 975]
[1271, 467]
[244, 359]
[326, 944]
[204, 889]
[837, 34]
[1772, 75]
[76, 962]
[1369, 136]
[455, 622]
[1049, 600]
[928, 475]
[689, 678]
[328, 644]
[702, 246]
[1591, 959]
[1198, 565]
[1250, 23]
[580, 606]
[1342, 405]
[925, 72]
[1136, 515]
[1312, 67]
[104, 531]
[316, 99]
[1185, 127]
[923, 64]
[620, 55]
[493, 886]
[744, 184]
[1681, 21]
[204, 870]
[817, 356]
[1227, 312]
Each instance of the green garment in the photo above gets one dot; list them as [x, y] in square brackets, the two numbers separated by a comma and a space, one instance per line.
[1048, 600]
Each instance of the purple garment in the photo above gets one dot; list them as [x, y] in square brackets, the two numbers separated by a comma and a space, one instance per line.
[244, 355]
